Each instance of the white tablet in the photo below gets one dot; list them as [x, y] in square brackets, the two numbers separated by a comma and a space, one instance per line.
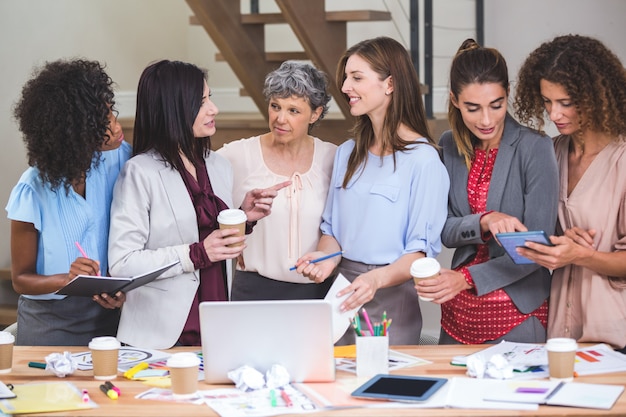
[399, 388]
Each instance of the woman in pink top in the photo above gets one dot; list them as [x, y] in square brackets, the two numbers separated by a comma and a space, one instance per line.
[581, 85]
[297, 99]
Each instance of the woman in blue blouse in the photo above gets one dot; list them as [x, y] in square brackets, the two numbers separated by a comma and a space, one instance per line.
[387, 202]
[75, 150]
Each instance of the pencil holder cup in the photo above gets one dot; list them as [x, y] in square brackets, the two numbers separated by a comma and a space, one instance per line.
[372, 355]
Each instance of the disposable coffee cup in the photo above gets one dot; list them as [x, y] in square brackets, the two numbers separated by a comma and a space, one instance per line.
[561, 358]
[104, 355]
[424, 268]
[183, 368]
[7, 340]
[233, 219]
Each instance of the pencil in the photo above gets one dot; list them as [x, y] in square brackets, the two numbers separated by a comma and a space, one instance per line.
[323, 258]
[82, 252]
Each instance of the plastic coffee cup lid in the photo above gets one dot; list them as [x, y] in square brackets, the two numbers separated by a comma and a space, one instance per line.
[183, 360]
[424, 267]
[104, 343]
[6, 337]
[561, 344]
[231, 216]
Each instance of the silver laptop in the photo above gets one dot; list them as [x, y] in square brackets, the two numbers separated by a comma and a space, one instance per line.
[296, 334]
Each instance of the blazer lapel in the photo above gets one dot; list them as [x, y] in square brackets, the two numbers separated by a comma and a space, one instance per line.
[180, 202]
[501, 168]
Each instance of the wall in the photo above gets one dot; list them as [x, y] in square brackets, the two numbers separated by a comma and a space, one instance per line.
[127, 35]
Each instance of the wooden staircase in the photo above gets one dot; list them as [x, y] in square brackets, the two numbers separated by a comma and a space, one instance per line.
[240, 38]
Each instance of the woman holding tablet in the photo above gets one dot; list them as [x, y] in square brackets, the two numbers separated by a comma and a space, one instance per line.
[503, 179]
[581, 85]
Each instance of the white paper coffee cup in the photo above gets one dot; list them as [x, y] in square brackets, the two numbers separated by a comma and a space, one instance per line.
[104, 356]
[561, 358]
[183, 368]
[7, 340]
[424, 268]
[233, 219]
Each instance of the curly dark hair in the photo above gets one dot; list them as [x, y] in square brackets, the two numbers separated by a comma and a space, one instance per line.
[63, 113]
[590, 73]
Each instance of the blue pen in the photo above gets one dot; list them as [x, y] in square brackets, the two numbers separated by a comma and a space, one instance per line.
[323, 258]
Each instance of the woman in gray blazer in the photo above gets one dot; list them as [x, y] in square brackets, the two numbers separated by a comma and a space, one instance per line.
[165, 207]
[503, 178]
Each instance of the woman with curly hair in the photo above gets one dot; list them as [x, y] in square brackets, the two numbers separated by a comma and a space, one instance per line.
[581, 85]
[75, 148]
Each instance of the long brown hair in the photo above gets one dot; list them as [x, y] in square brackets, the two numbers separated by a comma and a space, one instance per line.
[387, 57]
[472, 64]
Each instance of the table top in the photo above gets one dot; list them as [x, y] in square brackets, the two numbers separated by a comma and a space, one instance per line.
[127, 405]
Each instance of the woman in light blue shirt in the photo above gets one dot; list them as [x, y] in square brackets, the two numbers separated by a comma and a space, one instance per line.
[387, 202]
[75, 150]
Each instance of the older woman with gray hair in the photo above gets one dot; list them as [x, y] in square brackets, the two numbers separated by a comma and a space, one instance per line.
[297, 99]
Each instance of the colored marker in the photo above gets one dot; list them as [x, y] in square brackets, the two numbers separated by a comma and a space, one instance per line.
[286, 398]
[109, 392]
[132, 371]
[110, 385]
[39, 365]
[273, 401]
[323, 258]
[85, 396]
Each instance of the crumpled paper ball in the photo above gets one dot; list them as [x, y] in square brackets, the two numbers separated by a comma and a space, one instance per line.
[247, 378]
[497, 367]
[277, 376]
[61, 364]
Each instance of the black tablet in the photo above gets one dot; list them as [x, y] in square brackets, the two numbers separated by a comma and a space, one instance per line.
[513, 240]
[399, 388]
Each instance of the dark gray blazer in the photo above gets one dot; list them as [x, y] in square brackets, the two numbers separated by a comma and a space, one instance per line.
[524, 184]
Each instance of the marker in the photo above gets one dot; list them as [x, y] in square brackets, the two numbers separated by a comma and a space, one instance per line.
[273, 402]
[82, 252]
[85, 396]
[110, 385]
[39, 365]
[109, 392]
[132, 371]
[323, 258]
[286, 398]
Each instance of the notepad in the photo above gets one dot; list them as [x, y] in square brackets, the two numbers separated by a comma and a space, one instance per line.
[569, 394]
[45, 397]
[90, 285]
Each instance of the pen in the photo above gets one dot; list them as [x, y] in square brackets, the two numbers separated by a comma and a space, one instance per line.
[85, 396]
[323, 258]
[109, 392]
[82, 252]
[37, 365]
[286, 398]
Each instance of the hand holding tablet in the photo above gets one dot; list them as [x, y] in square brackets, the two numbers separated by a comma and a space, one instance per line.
[513, 240]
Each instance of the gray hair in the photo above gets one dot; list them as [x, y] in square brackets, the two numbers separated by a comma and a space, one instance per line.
[298, 79]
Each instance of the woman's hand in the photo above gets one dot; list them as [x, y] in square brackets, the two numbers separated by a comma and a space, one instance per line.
[319, 271]
[444, 287]
[496, 222]
[83, 266]
[568, 249]
[363, 289]
[216, 244]
[257, 203]
[110, 302]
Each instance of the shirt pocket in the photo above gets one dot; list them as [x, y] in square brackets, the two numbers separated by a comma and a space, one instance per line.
[388, 191]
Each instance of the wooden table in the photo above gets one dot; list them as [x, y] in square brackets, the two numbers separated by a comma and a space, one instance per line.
[127, 405]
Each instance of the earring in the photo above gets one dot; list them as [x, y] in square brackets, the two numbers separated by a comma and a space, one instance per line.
[387, 93]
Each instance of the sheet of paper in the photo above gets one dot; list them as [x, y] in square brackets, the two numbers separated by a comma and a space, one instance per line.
[576, 394]
[341, 320]
[468, 393]
[128, 357]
